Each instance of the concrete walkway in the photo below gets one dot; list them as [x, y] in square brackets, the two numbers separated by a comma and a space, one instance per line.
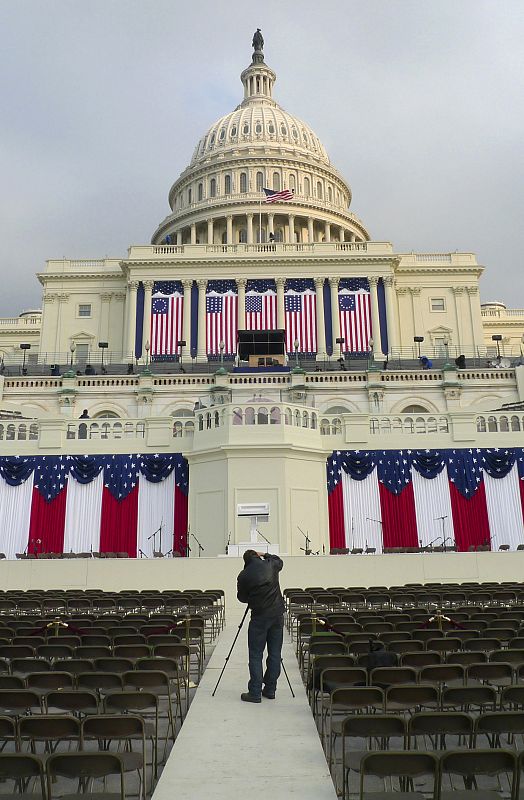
[229, 750]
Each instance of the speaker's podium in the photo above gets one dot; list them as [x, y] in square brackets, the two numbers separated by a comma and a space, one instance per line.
[262, 348]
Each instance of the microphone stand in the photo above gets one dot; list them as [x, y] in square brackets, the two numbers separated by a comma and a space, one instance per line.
[200, 547]
[307, 548]
[262, 535]
[142, 554]
[228, 541]
[443, 531]
[153, 537]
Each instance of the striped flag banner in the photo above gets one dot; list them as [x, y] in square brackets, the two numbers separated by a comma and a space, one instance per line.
[98, 503]
[167, 307]
[273, 196]
[354, 309]
[221, 317]
[463, 498]
[261, 305]
[300, 307]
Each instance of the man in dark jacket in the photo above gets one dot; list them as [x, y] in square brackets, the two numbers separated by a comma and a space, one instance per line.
[258, 586]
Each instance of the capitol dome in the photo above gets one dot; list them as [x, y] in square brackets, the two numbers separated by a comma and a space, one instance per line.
[216, 199]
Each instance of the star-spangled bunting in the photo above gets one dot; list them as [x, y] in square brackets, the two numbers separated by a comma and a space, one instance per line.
[51, 475]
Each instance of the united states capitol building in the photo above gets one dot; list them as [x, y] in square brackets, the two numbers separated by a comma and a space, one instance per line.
[261, 431]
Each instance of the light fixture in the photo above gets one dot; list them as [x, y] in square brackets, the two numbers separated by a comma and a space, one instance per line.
[340, 341]
[103, 346]
[180, 344]
[25, 346]
[497, 337]
[147, 347]
[418, 340]
[72, 348]
[221, 346]
[296, 345]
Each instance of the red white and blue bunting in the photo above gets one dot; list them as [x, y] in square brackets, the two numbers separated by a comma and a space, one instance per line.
[412, 498]
[55, 504]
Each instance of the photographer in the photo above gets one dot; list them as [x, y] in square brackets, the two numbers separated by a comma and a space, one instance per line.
[258, 586]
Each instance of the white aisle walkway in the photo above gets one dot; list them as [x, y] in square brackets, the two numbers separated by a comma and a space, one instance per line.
[230, 750]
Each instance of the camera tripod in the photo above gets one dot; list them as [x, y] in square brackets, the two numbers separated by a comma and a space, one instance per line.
[231, 650]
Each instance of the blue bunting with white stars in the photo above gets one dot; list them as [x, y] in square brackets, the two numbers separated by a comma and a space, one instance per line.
[121, 472]
[465, 467]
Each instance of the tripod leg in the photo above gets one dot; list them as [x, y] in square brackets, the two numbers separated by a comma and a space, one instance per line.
[287, 678]
[230, 651]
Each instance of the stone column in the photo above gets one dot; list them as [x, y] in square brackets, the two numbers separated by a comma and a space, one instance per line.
[352, 237]
[193, 233]
[241, 287]
[310, 233]
[418, 326]
[291, 224]
[271, 224]
[250, 228]
[375, 319]
[281, 316]
[391, 312]
[210, 231]
[229, 229]
[321, 326]
[474, 316]
[201, 340]
[146, 329]
[131, 319]
[458, 292]
[327, 232]
[103, 330]
[186, 319]
[341, 235]
[179, 237]
[405, 313]
[335, 318]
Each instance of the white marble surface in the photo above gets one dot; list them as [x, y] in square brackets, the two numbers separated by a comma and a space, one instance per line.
[232, 750]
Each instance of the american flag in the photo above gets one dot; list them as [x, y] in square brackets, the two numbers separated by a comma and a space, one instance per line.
[51, 476]
[261, 305]
[166, 317]
[300, 306]
[275, 197]
[221, 317]
[355, 314]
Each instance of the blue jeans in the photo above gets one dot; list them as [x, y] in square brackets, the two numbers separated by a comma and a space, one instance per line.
[264, 631]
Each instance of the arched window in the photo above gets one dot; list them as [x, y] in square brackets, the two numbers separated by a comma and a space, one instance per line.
[242, 236]
[492, 424]
[105, 415]
[243, 182]
[224, 237]
[481, 424]
[262, 416]
[504, 424]
[258, 128]
[413, 408]
[227, 184]
[260, 181]
[319, 190]
[189, 196]
[276, 181]
[200, 191]
[292, 183]
[515, 424]
[245, 129]
[330, 194]
[249, 415]
[307, 187]
[213, 188]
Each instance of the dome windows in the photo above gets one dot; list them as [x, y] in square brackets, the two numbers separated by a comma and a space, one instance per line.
[320, 192]
[294, 133]
[213, 188]
[330, 194]
[222, 135]
[305, 138]
[292, 182]
[271, 128]
[227, 184]
[283, 130]
[260, 181]
[245, 129]
[212, 140]
[234, 131]
[243, 182]
[200, 191]
[189, 196]
[307, 187]
[276, 181]
[258, 128]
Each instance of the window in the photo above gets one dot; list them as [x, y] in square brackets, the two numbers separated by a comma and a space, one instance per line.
[276, 181]
[213, 188]
[437, 304]
[307, 187]
[414, 409]
[243, 182]
[242, 236]
[227, 184]
[283, 130]
[271, 128]
[330, 194]
[319, 190]
[258, 128]
[189, 197]
[234, 131]
[245, 129]
[222, 135]
[200, 191]
[81, 352]
[260, 181]
[292, 183]
[84, 310]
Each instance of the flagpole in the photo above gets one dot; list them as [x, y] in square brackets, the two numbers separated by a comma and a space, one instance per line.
[260, 219]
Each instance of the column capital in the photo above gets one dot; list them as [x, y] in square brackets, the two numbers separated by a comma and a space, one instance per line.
[105, 297]
[414, 290]
[334, 281]
[402, 290]
[319, 282]
[472, 290]
[388, 280]
[241, 282]
[373, 280]
[133, 285]
[63, 296]
[148, 284]
[229, 216]
[280, 281]
[202, 283]
[187, 283]
[249, 215]
[457, 289]
[50, 298]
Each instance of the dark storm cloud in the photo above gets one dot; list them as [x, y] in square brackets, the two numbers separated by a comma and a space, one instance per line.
[419, 104]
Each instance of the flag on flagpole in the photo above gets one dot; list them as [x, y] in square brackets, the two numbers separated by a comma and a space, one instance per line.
[166, 317]
[274, 197]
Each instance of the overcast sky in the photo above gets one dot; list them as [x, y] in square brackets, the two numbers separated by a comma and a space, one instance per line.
[420, 104]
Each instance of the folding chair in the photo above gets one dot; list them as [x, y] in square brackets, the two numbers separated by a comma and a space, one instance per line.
[472, 764]
[398, 770]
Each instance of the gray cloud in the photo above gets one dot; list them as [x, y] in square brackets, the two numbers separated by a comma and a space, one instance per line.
[420, 106]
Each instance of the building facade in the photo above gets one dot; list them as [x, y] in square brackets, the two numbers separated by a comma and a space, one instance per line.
[147, 344]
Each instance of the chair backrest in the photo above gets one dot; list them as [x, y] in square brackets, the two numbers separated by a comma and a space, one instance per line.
[398, 764]
[439, 724]
[83, 765]
[22, 767]
[486, 762]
